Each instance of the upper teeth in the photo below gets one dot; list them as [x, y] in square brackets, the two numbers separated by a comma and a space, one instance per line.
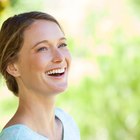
[56, 71]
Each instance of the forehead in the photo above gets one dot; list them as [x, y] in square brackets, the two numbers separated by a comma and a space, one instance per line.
[42, 29]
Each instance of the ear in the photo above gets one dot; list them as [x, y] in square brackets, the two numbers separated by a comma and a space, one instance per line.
[13, 70]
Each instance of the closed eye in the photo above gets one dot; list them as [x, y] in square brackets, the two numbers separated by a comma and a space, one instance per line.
[42, 49]
[62, 45]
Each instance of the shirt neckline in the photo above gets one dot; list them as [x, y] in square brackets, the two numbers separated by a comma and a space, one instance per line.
[36, 133]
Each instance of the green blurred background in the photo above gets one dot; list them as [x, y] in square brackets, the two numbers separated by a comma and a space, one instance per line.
[104, 81]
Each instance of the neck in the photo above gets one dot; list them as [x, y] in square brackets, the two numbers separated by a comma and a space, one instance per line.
[38, 113]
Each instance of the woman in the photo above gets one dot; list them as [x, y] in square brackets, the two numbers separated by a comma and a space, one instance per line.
[35, 60]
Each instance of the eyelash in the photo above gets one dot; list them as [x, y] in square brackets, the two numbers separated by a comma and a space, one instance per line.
[42, 49]
[62, 45]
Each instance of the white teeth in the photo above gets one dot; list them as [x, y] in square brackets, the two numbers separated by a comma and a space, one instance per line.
[56, 71]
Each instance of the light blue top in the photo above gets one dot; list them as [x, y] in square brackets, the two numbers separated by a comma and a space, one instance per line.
[22, 132]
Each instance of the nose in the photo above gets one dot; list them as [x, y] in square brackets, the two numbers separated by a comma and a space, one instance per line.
[58, 57]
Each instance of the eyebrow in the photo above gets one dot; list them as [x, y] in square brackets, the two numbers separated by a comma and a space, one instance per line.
[47, 41]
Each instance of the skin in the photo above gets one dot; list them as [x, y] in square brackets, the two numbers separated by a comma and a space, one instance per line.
[44, 49]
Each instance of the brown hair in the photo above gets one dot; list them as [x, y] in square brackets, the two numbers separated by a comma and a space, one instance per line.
[11, 40]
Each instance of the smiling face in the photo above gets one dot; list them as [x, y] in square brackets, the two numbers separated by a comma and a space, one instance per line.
[44, 59]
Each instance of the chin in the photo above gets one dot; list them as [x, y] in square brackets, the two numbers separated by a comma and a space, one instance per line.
[59, 90]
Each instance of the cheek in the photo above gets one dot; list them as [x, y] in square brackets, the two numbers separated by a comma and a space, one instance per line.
[39, 62]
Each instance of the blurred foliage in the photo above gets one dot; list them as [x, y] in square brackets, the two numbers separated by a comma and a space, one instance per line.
[3, 5]
[136, 3]
[106, 107]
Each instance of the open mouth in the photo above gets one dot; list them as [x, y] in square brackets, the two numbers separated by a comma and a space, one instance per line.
[56, 72]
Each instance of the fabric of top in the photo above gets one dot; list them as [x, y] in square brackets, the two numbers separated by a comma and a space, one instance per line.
[22, 132]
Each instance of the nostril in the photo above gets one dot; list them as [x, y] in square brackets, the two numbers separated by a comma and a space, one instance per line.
[57, 60]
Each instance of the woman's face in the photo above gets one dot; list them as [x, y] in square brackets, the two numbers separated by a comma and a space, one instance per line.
[44, 59]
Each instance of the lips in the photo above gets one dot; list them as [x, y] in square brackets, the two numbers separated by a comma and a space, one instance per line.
[56, 72]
